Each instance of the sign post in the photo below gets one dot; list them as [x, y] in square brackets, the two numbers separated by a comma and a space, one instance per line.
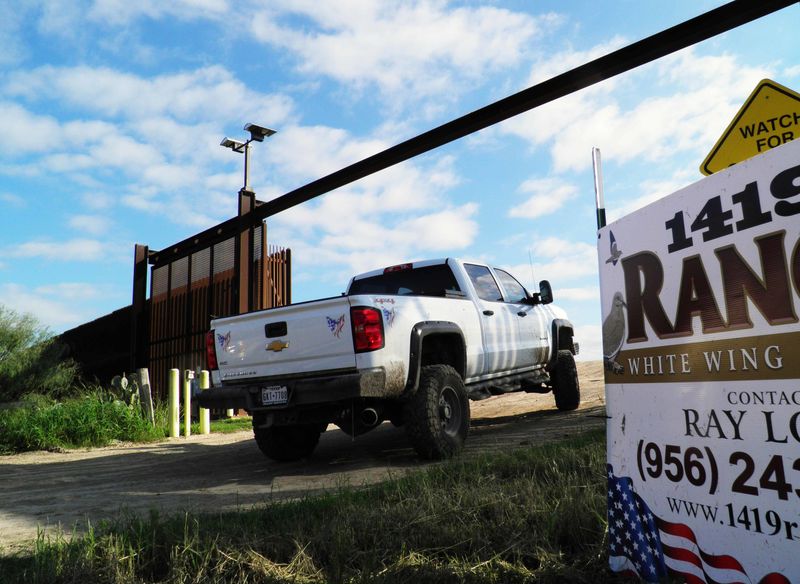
[700, 295]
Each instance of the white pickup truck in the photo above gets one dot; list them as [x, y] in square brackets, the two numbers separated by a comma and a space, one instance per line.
[411, 343]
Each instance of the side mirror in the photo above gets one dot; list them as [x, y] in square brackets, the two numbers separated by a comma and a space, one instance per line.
[545, 292]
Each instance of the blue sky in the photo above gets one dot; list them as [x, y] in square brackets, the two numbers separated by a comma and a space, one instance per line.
[112, 112]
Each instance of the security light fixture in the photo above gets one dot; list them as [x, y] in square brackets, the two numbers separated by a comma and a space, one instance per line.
[258, 133]
[234, 145]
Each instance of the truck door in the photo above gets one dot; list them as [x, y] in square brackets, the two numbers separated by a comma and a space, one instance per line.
[498, 321]
[531, 321]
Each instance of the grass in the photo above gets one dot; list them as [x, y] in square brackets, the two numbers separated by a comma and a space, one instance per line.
[535, 514]
[225, 425]
[89, 420]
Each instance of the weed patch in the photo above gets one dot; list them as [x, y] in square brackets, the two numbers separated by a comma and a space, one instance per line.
[88, 420]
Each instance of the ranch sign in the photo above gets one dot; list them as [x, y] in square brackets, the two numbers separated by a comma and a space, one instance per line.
[700, 296]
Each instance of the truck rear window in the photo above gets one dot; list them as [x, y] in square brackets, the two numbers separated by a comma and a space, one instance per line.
[435, 280]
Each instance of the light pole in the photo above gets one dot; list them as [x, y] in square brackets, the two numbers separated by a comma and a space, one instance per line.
[257, 134]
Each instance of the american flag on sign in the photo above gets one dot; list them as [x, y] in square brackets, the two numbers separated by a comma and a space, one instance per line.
[650, 547]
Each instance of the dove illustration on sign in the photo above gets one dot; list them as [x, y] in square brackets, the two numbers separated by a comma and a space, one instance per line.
[614, 334]
[615, 251]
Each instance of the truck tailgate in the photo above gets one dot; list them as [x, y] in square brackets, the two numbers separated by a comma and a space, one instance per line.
[301, 338]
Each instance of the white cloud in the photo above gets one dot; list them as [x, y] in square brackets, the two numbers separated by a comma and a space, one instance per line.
[209, 93]
[408, 50]
[12, 200]
[97, 201]
[590, 338]
[12, 49]
[158, 138]
[90, 224]
[547, 196]
[344, 248]
[405, 188]
[551, 65]
[58, 18]
[579, 294]
[23, 131]
[119, 12]
[58, 313]
[70, 250]
[689, 100]
[71, 291]
[652, 191]
[559, 260]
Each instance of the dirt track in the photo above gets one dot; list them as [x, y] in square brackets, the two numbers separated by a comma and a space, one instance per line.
[219, 471]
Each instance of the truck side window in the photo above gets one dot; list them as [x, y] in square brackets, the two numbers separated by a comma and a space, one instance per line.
[484, 283]
[515, 291]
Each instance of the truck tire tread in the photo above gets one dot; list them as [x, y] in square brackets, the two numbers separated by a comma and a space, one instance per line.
[566, 387]
[437, 414]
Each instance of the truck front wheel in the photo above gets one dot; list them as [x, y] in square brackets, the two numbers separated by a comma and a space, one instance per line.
[437, 415]
[286, 443]
[566, 388]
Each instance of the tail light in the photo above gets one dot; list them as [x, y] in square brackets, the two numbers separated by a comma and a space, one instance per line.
[398, 268]
[211, 352]
[367, 329]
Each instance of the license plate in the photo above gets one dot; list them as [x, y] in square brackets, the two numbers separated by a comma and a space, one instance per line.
[274, 395]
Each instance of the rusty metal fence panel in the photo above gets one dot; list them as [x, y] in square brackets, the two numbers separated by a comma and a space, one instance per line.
[187, 293]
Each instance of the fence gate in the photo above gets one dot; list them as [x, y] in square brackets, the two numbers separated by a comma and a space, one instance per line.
[186, 293]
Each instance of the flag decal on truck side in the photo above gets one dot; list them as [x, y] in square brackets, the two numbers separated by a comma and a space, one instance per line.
[388, 315]
[336, 325]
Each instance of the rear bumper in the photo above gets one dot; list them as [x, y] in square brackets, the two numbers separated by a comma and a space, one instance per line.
[306, 391]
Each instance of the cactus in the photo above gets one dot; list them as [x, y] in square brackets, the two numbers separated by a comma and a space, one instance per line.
[125, 390]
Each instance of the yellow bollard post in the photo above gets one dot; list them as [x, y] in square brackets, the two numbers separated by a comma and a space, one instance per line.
[187, 402]
[174, 403]
[205, 414]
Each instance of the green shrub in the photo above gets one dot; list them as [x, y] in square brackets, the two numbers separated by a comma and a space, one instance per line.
[92, 419]
[31, 360]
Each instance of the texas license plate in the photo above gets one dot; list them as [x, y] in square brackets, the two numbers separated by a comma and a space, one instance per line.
[274, 395]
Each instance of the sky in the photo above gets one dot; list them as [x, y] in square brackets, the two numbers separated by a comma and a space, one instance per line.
[112, 112]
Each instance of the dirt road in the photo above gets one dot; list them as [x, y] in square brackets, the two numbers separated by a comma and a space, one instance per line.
[48, 490]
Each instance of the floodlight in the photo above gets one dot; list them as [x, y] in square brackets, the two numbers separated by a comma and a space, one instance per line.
[258, 133]
[235, 145]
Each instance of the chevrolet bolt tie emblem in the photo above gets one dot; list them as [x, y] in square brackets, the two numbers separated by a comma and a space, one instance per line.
[277, 346]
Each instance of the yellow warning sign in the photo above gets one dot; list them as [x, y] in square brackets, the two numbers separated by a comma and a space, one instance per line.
[770, 117]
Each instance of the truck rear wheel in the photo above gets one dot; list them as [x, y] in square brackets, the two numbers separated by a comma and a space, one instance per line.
[286, 443]
[437, 415]
[566, 387]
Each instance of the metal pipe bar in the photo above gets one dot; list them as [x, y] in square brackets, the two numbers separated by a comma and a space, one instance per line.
[690, 32]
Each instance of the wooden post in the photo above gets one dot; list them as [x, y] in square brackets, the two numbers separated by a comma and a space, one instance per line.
[174, 403]
[146, 395]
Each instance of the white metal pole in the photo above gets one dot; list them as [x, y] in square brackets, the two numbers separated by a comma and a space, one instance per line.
[187, 402]
[598, 188]
[174, 403]
[205, 414]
